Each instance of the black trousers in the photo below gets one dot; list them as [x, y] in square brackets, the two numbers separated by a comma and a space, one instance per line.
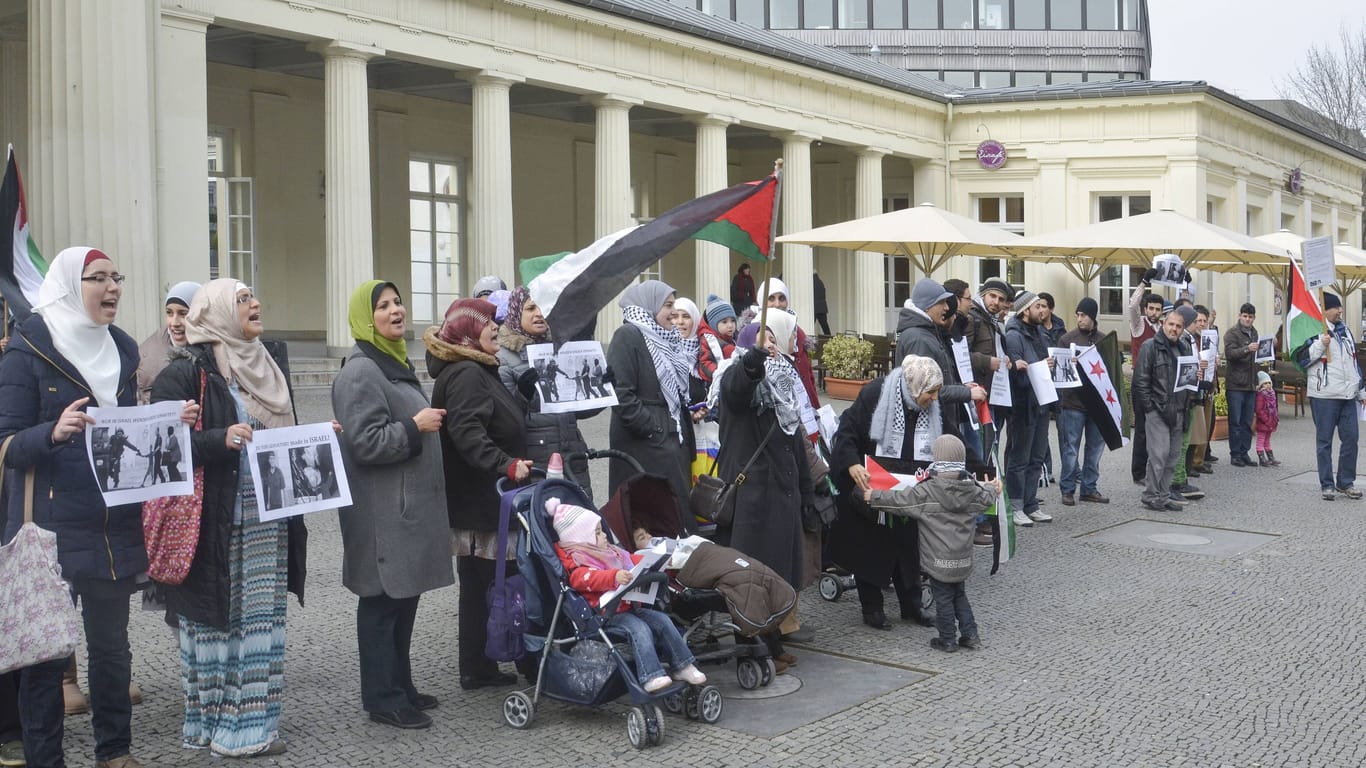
[10, 727]
[476, 575]
[384, 632]
[1138, 459]
[905, 575]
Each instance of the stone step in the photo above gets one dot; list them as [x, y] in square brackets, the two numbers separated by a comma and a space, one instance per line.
[320, 371]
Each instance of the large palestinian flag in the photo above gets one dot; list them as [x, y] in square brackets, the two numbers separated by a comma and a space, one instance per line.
[571, 290]
[1305, 320]
[21, 266]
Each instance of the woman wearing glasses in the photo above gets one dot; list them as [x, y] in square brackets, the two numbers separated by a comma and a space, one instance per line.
[64, 358]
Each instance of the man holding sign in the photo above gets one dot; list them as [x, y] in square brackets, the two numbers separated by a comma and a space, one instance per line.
[1335, 386]
[1027, 440]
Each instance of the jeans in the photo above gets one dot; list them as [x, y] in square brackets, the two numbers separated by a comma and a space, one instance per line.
[642, 626]
[1342, 416]
[384, 632]
[1026, 444]
[1164, 450]
[1073, 425]
[104, 608]
[950, 605]
[1241, 407]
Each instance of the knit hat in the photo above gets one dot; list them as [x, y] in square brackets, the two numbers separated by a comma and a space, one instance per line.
[748, 336]
[1263, 378]
[1187, 313]
[1088, 307]
[1166, 307]
[488, 284]
[717, 310]
[1330, 301]
[922, 374]
[999, 286]
[948, 448]
[1024, 300]
[928, 292]
[465, 320]
[573, 524]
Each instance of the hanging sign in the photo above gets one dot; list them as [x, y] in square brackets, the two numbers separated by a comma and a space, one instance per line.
[991, 154]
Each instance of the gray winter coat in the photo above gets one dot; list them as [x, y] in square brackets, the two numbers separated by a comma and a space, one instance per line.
[395, 536]
[946, 506]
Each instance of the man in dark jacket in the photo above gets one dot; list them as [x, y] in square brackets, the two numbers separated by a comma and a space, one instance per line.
[923, 330]
[822, 306]
[1240, 349]
[1164, 411]
[1027, 439]
[1074, 421]
[984, 330]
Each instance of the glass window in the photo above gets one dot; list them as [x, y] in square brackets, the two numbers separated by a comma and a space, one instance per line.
[993, 14]
[818, 14]
[1101, 77]
[1008, 214]
[1102, 14]
[957, 14]
[853, 14]
[887, 14]
[750, 12]
[924, 14]
[435, 234]
[1118, 206]
[1131, 11]
[1116, 283]
[961, 78]
[1031, 78]
[782, 14]
[1064, 14]
[1066, 77]
[993, 79]
[1029, 14]
[932, 74]
[685, 3]
[716, 7]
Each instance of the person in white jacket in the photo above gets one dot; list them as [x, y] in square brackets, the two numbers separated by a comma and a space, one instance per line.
[1335, 386]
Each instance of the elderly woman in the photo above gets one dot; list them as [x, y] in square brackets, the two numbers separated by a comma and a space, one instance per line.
[483, 440]
[546, 433]
[651, 419]
[66, 356]
[155, 350]
[395, 545]
[896, 418]
[230, 610]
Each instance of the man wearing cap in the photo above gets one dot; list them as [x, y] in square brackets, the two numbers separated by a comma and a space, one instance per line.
[1164, 410]
[1145, 317]
[1334, 387]
[1027, 438]
[1240, 384]
[922, 329]
[1074, 421]
[486, 285]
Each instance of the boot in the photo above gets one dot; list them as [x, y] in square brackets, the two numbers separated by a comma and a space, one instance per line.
[74, 700]
[1271, 457]
[1262, 461]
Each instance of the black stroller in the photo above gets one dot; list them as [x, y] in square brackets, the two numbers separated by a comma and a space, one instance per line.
[579, 662]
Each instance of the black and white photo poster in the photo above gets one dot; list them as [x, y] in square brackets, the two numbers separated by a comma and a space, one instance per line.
[1064, 371]
[297, 470]
[140, 453]
[1187, 374]
[571, 379]
[1209, 351]
[1170, 272]
[1266, 349]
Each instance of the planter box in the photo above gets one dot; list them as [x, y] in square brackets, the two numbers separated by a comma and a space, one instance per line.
[843, 389]
[1220, 429]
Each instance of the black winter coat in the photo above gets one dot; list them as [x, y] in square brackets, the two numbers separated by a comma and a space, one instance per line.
[205, 595]
[36, 385]
[918, 335]
[1154, 377]
[1028, 343]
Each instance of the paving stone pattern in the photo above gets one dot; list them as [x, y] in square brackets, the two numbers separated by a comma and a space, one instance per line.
[1094, 654]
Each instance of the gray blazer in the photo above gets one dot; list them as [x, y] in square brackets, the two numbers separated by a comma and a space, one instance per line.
[395, 537]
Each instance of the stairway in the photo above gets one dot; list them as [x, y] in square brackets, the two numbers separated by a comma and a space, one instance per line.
[319, 372]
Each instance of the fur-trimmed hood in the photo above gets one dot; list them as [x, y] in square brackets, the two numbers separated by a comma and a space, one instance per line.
[440, 353]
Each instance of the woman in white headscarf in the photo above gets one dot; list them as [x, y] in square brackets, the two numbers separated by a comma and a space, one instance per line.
[155, 350]
[66, 357]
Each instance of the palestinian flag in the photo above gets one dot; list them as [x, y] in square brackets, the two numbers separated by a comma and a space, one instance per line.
[571, 290]
[1002, 524]
[882, 479]
[21, 266]
[1101, 397]
[1305, 319]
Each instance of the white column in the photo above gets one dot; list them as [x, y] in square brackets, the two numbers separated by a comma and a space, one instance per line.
[1307, 217]
[612, 204]
[491, 231]
[713, 259]
[928, 178]
[90, 167]
[349, 245]
[869, 287]
[14, 91]
[797, 264]
[182, 129]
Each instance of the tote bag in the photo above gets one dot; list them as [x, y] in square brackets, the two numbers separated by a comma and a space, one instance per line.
[170, 524]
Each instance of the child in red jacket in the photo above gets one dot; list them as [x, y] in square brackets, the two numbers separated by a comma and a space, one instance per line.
[595, 567]
[1268, 418]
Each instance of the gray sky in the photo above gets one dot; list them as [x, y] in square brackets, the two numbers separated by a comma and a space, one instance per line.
[1245, 47]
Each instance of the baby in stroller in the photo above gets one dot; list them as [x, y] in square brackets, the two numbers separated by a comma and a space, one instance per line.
[595, 566]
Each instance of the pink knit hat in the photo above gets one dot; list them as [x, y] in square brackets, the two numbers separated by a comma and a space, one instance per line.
[574, 524]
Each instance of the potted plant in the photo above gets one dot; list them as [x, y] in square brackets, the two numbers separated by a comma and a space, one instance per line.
[1220, 429]
[845, 361]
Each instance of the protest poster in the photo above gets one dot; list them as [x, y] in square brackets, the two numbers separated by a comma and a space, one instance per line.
[963, 359]
[297, 470]
[1266, 349]
[1170, 272]
[1064, 371]
[1041, 379]
[1317, 254]
[159, 444]
[1000, 381]
[571, 379]
[1187, 374]
[1209, 351]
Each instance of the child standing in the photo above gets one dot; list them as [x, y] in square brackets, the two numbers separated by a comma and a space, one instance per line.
[946, 505]
[1268, 418]
[595, 566]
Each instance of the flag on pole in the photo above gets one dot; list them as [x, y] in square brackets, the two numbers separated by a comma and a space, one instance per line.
[21, 266]
[1305, 320]
[1002, 523]
[1101, 398]
[572, 289]
[882, 479]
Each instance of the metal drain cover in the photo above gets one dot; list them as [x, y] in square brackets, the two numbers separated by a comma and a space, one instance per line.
[1179, 539]
[1176, 537]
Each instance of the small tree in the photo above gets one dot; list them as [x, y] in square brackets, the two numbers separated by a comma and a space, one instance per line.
[1333, 84]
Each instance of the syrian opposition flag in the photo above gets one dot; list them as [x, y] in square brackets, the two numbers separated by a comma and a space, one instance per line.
[573, 288]
[21, 266]
[1101, 397]
[1002, 523]
[1305, 320]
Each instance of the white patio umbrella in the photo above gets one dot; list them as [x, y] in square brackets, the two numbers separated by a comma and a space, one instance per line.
[1349, 264]
[928, 235]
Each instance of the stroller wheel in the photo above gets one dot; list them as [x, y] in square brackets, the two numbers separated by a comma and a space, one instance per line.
[675, 702]
[654, 725]
[690, 703]
[768, 672]
[710, 704]
[518, 710]
[635, 728]
[748, 674]
[830, 587]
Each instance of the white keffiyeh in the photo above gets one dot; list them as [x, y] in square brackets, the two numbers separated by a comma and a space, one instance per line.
[666, 354]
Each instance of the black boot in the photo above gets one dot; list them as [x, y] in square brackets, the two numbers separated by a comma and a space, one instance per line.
[1271, 457]
[1262, 460]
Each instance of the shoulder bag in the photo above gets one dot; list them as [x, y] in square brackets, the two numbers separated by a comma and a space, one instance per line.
[170, 524]
[506, 596]
[38, 619]
[712, 499]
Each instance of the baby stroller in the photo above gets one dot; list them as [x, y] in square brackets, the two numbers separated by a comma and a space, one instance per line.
[579, 662]
[702, 615]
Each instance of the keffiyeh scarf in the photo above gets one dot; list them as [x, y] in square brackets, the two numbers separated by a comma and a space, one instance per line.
[888, 427]
[778, 392]
[670, 367]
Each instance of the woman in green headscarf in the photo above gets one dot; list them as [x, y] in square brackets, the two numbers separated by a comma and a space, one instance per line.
[395, 540]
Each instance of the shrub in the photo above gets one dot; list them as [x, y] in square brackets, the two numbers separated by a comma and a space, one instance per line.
[847, 357]
[1221, 404]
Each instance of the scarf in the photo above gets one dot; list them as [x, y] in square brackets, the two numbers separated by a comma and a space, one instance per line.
[87, 345]
[513, 321]
[957, 469]
[888, 427]
[668, 361]
[690, 344]
[605, 558]
[778, 392]
[361, 314]
[261, 384]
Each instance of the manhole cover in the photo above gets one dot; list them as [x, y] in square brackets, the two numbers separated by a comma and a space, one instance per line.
[782, 685]
[1179, 539]
[1176, 537]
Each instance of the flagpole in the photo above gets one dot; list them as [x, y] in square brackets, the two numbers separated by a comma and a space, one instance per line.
[772, 243]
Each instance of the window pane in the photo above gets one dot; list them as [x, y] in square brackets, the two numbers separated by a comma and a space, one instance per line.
[819, 14]
[993, 14]
[420, 308]
[901, 293]
[957, 14]
[989, 210]
[1101, 77]
[1102, 14]
[961, 79]
[1029, 14]
[1065, 14]
[987, 269]
[1066, 77]
[1015, 272]
[445, 248]
[993, 79]
[1111, 301]
[1140, 204]
[1131, 14]
[1015, 210]
[750, 12]
[419, 178]
[1031, 78]
[422, 276]
[924, 14]
[447, 216]
[901, 269]
[419, 214]
[932, 74]
[853, 14]
[887, 14]
[1111, 207]
[420, 246]
[782, 14]
[447, 179]
[716, 7]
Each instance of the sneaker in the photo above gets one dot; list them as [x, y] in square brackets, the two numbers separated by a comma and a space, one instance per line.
[1040, 516]
[690, 674]
[972, 642]
[1095, 498]
[657, 684]
[983, 538]
[1176, 498]
[1188, 491]
[945, 646]
[1162, 506]
[1350, 492]
[1329, 494]
[1068, 500]
[407, 718]
[126, 761]
[12, 753]
[1022, 520]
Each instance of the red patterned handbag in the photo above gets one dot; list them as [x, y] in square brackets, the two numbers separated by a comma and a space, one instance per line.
[170, 524]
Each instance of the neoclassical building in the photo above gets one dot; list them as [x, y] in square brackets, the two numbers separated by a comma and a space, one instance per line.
[306, 145]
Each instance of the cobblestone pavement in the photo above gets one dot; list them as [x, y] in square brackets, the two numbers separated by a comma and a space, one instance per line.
[1094, 654]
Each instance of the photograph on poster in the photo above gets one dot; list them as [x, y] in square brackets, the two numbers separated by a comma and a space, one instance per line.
[297, 470]
[1064, 370]
[572, 378]
[1266, 349]
[1170, 271]
[1187, 374]
[140, 453]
